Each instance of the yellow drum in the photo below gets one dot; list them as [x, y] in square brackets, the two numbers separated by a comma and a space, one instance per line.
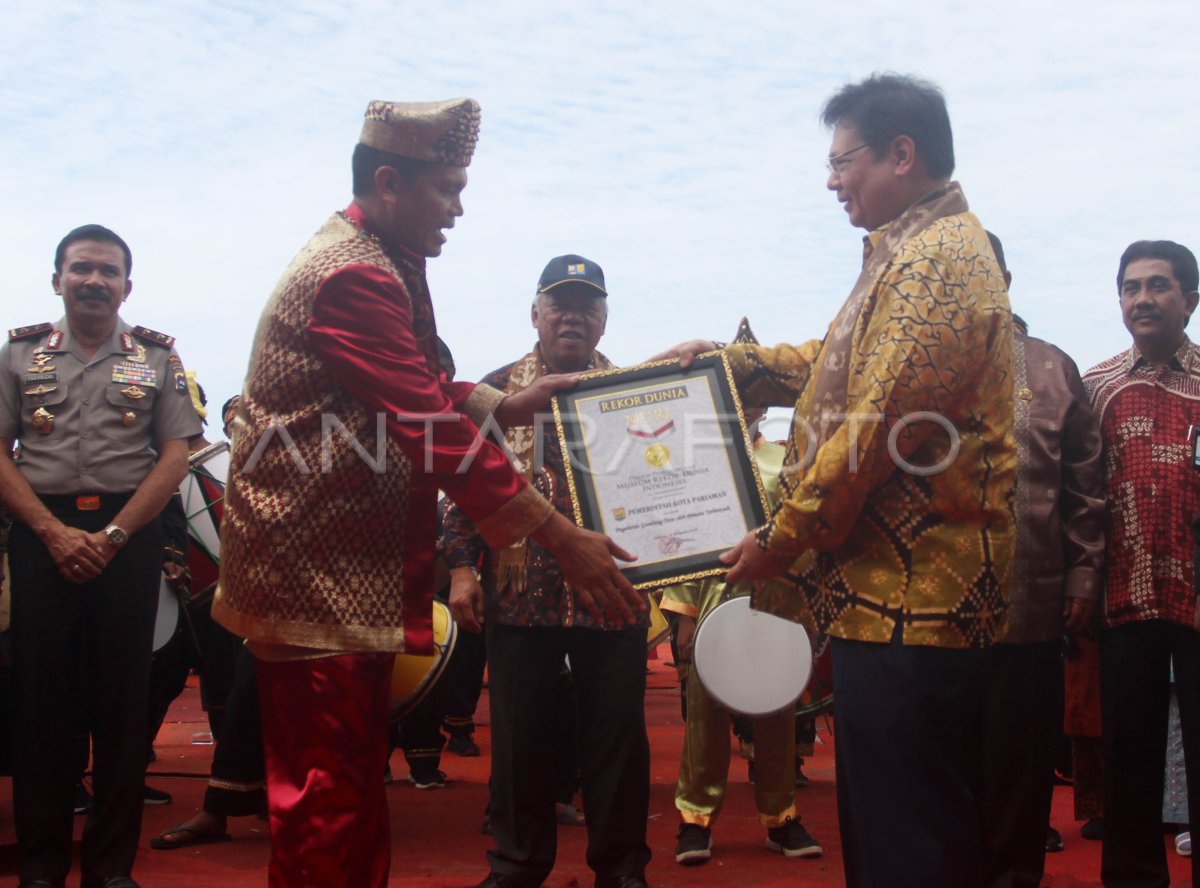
[413, 676]
[659, 629]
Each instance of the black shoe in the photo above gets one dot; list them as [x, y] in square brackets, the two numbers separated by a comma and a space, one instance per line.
[801, 778]
[1093, 830]
[793, 840]
[499, 880]
[1054, 841]
[463, 745]
[120, 882]
[152, 796]
[694, 845]
[622, 882]
[428, 779]
[83, 802]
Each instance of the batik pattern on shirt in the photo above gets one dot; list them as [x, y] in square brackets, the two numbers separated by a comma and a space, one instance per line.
[1147, 418]
[931, 349]
[540, 597]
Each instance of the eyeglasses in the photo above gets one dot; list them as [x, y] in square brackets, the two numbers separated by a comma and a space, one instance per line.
[837, 163]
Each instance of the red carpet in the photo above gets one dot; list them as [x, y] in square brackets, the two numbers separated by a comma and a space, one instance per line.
[436, 841]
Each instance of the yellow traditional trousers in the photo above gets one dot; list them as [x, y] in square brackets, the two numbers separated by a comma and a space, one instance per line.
[704, 767]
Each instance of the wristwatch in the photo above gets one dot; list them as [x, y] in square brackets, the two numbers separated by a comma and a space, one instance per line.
[116, 536]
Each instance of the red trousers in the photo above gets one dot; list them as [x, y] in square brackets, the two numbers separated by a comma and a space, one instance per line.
[325, 725]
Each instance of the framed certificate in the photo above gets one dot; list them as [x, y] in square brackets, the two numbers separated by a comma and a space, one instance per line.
[658, 458]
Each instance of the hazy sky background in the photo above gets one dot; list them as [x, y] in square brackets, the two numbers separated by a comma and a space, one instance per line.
[677, 144]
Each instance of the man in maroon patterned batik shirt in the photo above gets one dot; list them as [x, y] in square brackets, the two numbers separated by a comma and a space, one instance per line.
[1148, 402]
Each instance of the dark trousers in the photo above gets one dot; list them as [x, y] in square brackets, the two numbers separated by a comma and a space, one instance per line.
[908, 763]
[236, 785]
[1022, 720]
[169, 668]
[419, 731]
[609, 673]
[1135, 660]
[220, 652]
[566, 740]
[81, 642]
[463, 682]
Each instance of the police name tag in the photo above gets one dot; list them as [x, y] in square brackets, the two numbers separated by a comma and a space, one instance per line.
[139, 374]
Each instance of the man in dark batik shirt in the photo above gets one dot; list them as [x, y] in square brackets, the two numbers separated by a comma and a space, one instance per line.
[533, 620]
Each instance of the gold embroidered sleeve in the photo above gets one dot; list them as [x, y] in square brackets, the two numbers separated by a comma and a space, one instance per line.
[771, 377]
[516, 519]
[482, 403]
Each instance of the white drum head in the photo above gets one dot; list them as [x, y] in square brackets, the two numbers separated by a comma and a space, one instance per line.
[215, 458]
[167, 617]
[751, 662]
[199, 494]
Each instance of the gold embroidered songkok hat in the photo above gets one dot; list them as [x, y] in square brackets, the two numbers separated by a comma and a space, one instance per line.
[441, 132]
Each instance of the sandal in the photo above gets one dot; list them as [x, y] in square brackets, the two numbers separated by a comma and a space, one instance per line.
[185, 836]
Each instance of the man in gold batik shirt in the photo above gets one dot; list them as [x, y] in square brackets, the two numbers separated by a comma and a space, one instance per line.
[899, 475]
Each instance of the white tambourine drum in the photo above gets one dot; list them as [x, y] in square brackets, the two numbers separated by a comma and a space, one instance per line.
[751, 662]
[166, 618]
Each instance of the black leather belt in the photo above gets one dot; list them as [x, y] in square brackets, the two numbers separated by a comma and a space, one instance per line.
[86, 502]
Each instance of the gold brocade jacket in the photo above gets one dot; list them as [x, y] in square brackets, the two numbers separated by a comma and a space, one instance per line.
[906, 508]
[327, 540]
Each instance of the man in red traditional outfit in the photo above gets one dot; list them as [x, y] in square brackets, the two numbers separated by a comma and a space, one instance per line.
[348, 428]
[1148, 402]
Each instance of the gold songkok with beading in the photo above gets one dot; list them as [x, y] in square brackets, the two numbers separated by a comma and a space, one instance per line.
[441, 132]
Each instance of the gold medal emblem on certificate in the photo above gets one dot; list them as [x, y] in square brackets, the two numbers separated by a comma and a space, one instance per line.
[658, 455]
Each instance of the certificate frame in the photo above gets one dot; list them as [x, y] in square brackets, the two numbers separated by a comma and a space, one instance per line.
[590, 416]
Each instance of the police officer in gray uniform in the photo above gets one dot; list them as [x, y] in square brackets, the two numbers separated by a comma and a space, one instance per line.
[102, 412]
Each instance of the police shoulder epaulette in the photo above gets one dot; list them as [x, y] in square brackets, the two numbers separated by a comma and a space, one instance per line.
[154, 336]
[26, 332]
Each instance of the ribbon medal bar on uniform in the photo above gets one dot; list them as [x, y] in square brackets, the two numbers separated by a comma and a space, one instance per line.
[138, 374]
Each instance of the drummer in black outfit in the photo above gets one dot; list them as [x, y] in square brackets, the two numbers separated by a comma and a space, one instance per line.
[102, 412]
[236, 785]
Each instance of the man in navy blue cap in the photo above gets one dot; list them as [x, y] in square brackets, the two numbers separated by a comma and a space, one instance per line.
[533, 621]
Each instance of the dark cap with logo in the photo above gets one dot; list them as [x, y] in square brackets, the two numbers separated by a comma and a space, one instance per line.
[571, 269]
